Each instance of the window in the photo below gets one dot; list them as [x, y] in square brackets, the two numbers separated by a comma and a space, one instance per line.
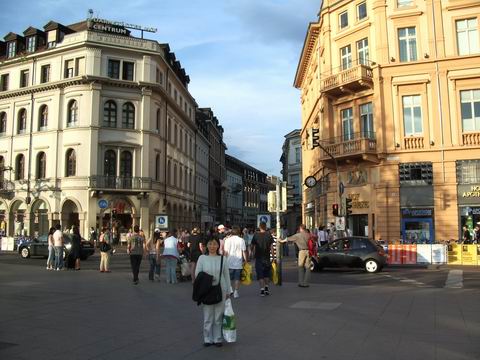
[343, 20]
[175, 175]
[346, 57]
[4, 82]
[361, 11]
[157, 121]
[114, 69]
[407, 42]
[24, 75]
[3, 123]
[416, 172]
[175, 134]
[110, 163]
[298, 155]
[468, 171]
[41, 165]
[159, 76]
[51, 38]
[126, 164]
[69, 68]
[43, 118]
[157, 167]
[366, 121]
[347, 124]
[31, 43]
[11, 49]
[71, 163]
[110, 114]
[295, 181]
[169, 129]
[175, 95]
[470, 109]
[467, 36]
[412, 115]
[128, 71]
[45, 74]
[128, 116]
[22, 121]
[2, 171]
[72, 117]
[169, 173]
[362, 51]
[402, 3]
[20, 167]
[180, 145]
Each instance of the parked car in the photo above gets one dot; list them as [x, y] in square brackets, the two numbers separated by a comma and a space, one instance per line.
[352, 251]
[39, 247]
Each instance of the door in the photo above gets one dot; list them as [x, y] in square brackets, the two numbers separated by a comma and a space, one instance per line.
[332, 254]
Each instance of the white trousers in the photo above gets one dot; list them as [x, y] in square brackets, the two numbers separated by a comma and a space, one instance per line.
[212, 322]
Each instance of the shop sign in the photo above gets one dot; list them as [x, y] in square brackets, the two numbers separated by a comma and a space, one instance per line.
[124, 25]
[468, 194]
[416, 213]
[474, 192]
[112, 29]
[357, 203]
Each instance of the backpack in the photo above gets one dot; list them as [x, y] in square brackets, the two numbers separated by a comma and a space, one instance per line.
[312, 246]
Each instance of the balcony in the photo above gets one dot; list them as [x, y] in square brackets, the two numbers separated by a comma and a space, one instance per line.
[119, 183]
[357, 78]
[6, 186]
[471, 139]
[363, 145]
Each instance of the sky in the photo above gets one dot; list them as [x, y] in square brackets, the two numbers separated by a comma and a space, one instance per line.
[241, 56]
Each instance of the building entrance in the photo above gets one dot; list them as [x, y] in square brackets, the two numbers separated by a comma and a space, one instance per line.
[358, 224]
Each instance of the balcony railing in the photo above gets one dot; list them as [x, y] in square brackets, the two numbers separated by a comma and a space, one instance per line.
[414, 142]
[120, 183]
[471, 139]
[356, 78]
[358, 144]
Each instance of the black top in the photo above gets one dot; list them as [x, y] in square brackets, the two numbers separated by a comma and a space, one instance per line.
[195, 241]
[262, 242]
[76, 243]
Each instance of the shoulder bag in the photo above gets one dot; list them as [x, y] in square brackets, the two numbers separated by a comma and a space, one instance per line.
[215, 295]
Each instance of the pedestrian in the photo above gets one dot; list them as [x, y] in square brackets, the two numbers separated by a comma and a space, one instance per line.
[105, 241]
[58, 243]
[171, 255]
[262, 243]
[467, 237]
[51, 249]
[322, 236]
[213, 265]
[196, 248]
[236, 253]
[93, 236]
[153, 248]
[221, 236]
[76, 250]
[301, 240]
[136, 249]
[284, 235]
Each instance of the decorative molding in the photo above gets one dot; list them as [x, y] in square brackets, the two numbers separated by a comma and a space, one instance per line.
[406, 14]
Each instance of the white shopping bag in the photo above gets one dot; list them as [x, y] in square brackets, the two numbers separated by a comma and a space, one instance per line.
[229, 328]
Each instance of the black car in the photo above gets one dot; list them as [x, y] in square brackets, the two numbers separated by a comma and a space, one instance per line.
[39, 247]
[352, 251]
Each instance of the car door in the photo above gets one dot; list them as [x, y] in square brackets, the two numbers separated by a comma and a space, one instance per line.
[332, 254]
[355, 251]
[41, 246]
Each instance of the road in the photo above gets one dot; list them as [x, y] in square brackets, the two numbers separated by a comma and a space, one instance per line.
[400, 313]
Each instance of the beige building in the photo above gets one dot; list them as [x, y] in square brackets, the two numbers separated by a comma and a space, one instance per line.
[91, 116]
[394, 88]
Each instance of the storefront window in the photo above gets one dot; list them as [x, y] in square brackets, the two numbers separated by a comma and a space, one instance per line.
[469, 217]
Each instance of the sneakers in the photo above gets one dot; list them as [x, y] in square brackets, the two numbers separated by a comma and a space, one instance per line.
[262, 292]
[157, 277]
[267, 292]
[236, 295]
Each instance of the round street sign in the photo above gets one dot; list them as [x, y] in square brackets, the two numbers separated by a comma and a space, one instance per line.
[102, 204]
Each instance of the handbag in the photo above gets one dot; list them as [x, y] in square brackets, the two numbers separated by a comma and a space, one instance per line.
[104, 247]
[215, 295]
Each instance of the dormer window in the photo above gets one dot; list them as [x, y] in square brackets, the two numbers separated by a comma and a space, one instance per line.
[31, 43]
[11, 49]
[52, 38]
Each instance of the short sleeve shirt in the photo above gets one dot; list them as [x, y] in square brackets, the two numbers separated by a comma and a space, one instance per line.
[262, 242]
[136, 244]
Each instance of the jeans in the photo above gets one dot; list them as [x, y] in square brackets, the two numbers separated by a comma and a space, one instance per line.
[58, 257]
[135, 261]
[171, 267]
[51, 256]
[154, 266]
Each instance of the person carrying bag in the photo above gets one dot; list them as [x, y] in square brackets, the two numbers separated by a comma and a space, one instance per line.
[211, 288]
[229, 327]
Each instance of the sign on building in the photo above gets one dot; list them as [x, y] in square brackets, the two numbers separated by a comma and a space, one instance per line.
[161, 221]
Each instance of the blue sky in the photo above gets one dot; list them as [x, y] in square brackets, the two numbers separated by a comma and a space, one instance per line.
[241, 56]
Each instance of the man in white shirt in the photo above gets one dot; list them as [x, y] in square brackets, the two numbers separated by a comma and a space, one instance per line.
[58, 245]
[236, 252]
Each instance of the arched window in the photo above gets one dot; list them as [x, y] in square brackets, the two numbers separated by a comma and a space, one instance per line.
[157, 167]
[157, 122]
[72, 118]
[71, 163]
[43, 118]
[41, 165]
[3, 123]
[128, 116]
[110, 114]
[20, 167]
[110, 163]
[126, 164]
[22, 121]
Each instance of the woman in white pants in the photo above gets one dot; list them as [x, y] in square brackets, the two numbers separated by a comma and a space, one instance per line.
[213, 314]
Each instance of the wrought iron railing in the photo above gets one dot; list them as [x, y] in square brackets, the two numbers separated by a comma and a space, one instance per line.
[120, 182]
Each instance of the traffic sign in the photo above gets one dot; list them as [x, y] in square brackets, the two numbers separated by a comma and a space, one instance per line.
[161, 221]
[264, 218]
[102, 204]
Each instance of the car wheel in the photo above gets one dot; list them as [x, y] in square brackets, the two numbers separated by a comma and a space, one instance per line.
[25, 253]
[371, 266]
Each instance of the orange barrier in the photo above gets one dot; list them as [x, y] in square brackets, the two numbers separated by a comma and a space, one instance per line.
[394, 254]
